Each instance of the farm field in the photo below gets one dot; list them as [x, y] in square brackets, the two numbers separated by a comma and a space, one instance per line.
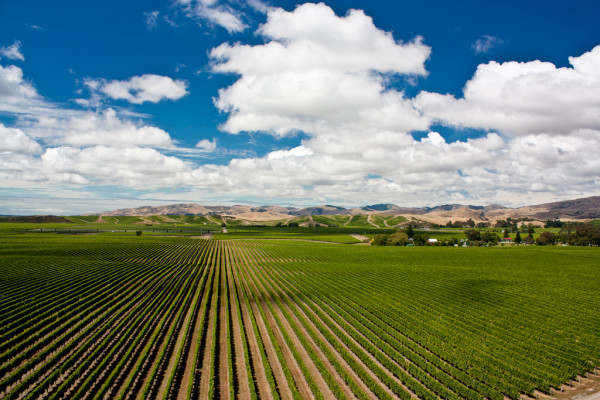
[112, 316]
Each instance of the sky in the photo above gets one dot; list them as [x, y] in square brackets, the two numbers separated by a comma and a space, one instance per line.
[112, 104]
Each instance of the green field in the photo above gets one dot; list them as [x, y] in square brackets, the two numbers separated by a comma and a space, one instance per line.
[378, 220]
[300, 235]
[83, 218]
[122, 316]
[395, 220]
[331, 220]
[359, 221]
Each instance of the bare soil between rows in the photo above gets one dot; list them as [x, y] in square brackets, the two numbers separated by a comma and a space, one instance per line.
[587, 389]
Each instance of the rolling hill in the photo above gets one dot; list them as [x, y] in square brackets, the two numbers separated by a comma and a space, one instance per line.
[578, 209]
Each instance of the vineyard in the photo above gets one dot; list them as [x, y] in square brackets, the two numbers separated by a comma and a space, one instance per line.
[125, 317]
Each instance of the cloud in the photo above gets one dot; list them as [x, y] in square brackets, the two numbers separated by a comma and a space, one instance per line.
[151, 19]
[485, 43]
[207, 145]
[169, 21]
[522, 98]
[317, 73]
[53, 145]
[313, 37]
[36, 27]
[131, 166]
[383, 165]
[13, 51]
[140, 89]
[260, 6]
[215, 13]
[415, 172]
[329, 77]
[16, 94]
[16, 141]
[98, 128]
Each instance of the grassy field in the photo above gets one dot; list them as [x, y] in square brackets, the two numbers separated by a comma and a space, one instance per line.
[272, 234]
[395, 220]
[359, 221]
[331, 220]
[125, 316]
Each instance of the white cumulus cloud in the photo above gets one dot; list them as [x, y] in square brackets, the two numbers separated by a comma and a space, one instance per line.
[140, 89]
[131, 166]
[16, 94]
[521, 98]
[318, 72]
[328, 76]
[98, 128]
[16, 141]
[207, 145]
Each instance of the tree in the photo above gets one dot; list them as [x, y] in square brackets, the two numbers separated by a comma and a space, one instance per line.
[518, 238]
[421, 240]
[530, 229]
[470, 223]
[506, 233]
[556, 223]
[567, 235]
[588, 234]
[379, 240]
[528, 239]
[410, 232]
[501, 224]
[581, 235]
[490, 237]
[397, 239]
[449, 224]
[473, 234]
[546, 239]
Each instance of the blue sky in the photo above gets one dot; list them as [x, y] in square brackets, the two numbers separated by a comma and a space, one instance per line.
[109, 104]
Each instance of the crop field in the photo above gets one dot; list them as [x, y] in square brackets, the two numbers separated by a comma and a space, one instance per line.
[124, 317]
[395, 220]
[359, 221]
[274, 234]
[332, 220]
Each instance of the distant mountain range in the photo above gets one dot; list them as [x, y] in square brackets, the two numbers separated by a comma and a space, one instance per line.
[579, 209]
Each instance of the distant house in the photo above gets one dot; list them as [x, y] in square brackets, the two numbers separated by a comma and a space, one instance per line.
[506, 240]
[432, 241]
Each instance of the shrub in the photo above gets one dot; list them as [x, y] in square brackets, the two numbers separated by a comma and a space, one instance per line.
[397, 239]
[379, 240]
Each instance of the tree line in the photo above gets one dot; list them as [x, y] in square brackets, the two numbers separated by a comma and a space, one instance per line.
[587, 234]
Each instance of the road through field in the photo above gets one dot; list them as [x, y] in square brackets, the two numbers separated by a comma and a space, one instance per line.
[359, 237]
